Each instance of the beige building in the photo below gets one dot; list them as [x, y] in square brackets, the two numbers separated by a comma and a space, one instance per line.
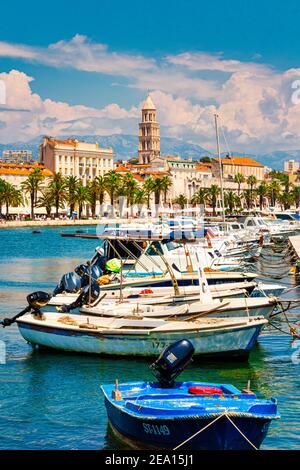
[232, 165]
[291, 166]
[187, 176]
[73, 157]
[149, 134]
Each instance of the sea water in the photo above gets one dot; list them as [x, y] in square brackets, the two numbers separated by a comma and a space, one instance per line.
[52, 400]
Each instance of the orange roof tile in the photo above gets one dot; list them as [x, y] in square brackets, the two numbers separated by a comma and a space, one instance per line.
[203, 167]
[241, 161]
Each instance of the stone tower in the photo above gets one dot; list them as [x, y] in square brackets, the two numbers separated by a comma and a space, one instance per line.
[149, 133]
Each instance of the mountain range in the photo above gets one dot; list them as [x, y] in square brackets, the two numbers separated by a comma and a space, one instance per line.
[125, 147]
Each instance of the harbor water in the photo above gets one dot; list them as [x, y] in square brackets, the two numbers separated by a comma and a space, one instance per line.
[52, 400]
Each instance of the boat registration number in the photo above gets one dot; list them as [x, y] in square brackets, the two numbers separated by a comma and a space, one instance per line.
[155, 429]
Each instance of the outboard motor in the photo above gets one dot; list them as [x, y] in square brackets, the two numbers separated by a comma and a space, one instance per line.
[85, 271]
[69, 282]
[172, 361]
[86, 296]
[38, 299]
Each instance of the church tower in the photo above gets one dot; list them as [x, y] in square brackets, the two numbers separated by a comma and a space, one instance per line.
[149, 133]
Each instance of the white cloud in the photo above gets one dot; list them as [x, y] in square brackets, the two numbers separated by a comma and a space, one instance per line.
[254, 100]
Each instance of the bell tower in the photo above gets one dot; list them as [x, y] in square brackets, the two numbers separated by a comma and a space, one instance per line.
[149, 133]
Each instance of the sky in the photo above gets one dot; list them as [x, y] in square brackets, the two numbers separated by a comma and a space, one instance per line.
[84, 68]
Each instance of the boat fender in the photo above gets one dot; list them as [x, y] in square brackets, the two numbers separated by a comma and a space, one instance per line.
[146, 291]
[204, 390]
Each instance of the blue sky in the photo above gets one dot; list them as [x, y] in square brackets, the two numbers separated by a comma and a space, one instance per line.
[166, 40]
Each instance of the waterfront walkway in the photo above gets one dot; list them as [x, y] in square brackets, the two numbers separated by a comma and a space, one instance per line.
[68, 223]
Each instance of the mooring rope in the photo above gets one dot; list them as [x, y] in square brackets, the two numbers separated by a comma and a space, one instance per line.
[225, 413]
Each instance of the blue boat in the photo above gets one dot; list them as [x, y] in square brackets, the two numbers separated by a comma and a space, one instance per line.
[186, 415]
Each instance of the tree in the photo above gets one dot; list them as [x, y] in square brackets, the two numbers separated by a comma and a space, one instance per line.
[231, 200]
[166, 183]
[2, 185]
[129, 184]
[205, 159]
[82, 196]
[286, 199]
[200, 197]
[158, 188]
[239, 179]
[10, 196]
[213, 193]
[94, 192]
[296, 195]
[274, 191]
[58, 186]
[32, 185]
[46, 200]
[71, 184]
[148, 187]
[252, 182]
[262, 192]
[112, 184]
[181, 200]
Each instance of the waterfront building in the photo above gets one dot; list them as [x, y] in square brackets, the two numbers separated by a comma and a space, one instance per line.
[78, 158]
[16, 173]
[17, 156]
[232, 165]
[291, 166]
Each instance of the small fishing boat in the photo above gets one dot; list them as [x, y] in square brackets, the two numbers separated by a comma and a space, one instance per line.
[139, 336]
[186, 415]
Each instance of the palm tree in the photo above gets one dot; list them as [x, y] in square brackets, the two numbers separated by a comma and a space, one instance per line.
[200, 197]
[274, 191]
[2, 185]
[166, 183]
[248, 197]
[252, 182]
[181, 200]
[140, 197]
[32, 185]
[82, 196]
[94, 194]
[58, 186]
[231, 200]
[158, 188]
[10, 196]
[213, 194]
[286, 199]
[148, 187]
[239, 179]
[262, 192]
[296, 196]
[101, 183]
[71, 184]
[129, 185]
[112, 184]
[46, 200]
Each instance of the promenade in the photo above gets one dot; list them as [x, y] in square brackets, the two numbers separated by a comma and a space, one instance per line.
[69, 223]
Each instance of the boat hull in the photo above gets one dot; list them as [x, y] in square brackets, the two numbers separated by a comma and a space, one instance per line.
[235, 340]
[169, 433]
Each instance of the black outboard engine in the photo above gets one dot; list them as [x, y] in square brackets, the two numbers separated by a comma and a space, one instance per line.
[84, 271]
[70, 282]
[38, 299]
[86, 296]
[172, 361]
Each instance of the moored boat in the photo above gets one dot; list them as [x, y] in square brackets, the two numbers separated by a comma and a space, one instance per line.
[186, 415]
[144, 336]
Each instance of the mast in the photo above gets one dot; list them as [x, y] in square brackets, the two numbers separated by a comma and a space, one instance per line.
[220, 164]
